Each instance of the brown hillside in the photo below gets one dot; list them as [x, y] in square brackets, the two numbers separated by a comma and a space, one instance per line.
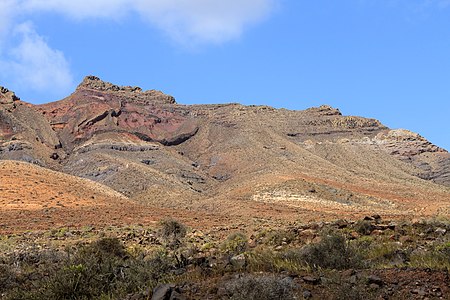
[227, 163]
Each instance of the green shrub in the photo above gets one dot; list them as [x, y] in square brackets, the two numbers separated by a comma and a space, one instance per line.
[251, 287]
[277, 237]
[437, 258]
[267, 260]
[172, 232]
[385, 254]
[108, 246]
[332, 252]
[235, 244]
[364, 227]
[100, 270]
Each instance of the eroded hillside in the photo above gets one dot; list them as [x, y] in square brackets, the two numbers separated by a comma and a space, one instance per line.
[230, 159]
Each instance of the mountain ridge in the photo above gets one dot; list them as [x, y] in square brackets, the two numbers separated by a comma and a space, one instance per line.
[227, 158]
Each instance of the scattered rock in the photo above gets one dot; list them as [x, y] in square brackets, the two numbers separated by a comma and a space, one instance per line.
[311, 280]
[238, 261]
[419, 292]
[372, 279]
[176, 296]
[354, 235]
[441, 231]
[406, 239]
[163, 292]
[307, 294]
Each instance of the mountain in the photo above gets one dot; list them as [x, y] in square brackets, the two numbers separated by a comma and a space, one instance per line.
[231, 161]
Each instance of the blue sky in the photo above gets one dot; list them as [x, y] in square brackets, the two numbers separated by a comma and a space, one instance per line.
[386, 59]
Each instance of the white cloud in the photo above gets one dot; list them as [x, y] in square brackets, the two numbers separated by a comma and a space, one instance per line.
[204, 21]
[200, 21]
[7, 12]
[33, 64]
[80, 9]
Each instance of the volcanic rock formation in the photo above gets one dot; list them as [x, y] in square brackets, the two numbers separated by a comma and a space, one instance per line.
[213, 157]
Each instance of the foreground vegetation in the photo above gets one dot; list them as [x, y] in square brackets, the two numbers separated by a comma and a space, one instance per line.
[368, 259]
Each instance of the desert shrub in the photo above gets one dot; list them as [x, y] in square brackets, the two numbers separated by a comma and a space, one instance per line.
[145, 273]
[236, 243]
[267, 260]
[108, 246]
[277, 237]
[342, 290]
[332, 252]
[385, 254]
[172, 232]
[364, 227]
[251, 287]
[7, 277]
[94, 270]
[101, 270]
[437, 258]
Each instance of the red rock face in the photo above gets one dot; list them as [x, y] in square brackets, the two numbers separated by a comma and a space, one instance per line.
[98, 107]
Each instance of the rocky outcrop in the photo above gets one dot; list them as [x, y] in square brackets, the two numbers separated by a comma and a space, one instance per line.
[7, 98]
[131, 92]
[325, 110]
[405, 143]
[432, 161]
[352, 122]
[99, 107]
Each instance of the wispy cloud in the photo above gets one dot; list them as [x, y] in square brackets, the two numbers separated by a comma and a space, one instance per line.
[34, 63]
[201, 21]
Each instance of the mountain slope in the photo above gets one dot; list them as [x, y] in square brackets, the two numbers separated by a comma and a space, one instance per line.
[231, 160]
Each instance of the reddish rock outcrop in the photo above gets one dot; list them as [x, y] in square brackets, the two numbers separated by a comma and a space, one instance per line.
[98, 107]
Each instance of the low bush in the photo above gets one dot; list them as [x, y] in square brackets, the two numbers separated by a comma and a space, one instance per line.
[172, 232]
[236, 243]
[101, 270]
[332, 252]
[251, 287]
[364, 227]
[278, 237]
[437, 258]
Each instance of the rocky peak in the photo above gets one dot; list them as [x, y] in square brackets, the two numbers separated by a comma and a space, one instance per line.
[7, 97]
[325, 110]
[131, 92]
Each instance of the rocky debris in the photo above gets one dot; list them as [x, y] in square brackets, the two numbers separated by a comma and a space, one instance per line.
[441, 231]
[167, 292]
[307, 294]
[372, 279]
[311, 280]
[238, 261]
